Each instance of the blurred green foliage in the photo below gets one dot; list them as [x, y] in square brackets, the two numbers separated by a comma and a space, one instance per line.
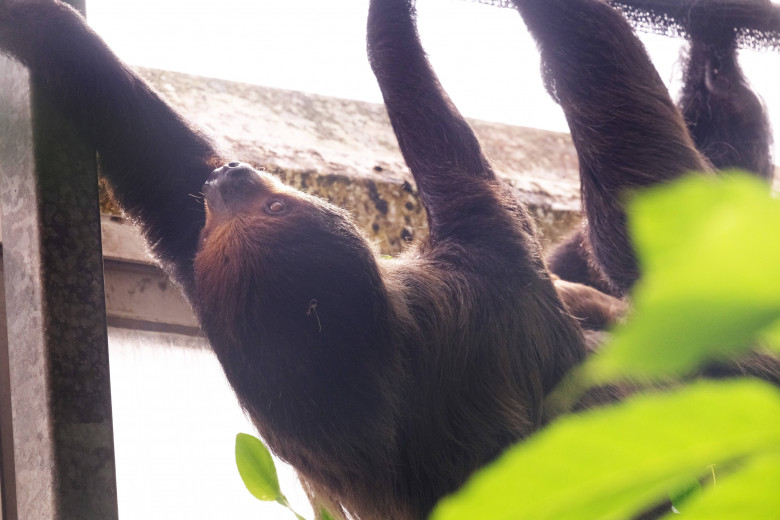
[618, 461]
[710, 290]
[710, 285]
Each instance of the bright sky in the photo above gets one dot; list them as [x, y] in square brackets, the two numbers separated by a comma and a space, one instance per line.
[483, 55]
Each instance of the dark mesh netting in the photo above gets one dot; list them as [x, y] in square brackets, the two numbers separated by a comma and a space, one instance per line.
[756, 23]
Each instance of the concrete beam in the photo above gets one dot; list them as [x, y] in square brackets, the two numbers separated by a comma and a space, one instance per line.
[345, 151]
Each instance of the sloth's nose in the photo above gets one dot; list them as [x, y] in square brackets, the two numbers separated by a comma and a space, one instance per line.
[230, 184]
[231, 169]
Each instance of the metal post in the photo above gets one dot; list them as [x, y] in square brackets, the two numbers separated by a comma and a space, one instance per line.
[57, 355]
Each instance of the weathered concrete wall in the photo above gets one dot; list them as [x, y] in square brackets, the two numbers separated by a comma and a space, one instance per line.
[345, 151]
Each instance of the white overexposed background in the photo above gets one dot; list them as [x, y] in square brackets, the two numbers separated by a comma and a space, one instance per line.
[175, 416]
[483, 55]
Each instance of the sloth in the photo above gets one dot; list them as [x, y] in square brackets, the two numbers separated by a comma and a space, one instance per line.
[384, 382]
[726, 119]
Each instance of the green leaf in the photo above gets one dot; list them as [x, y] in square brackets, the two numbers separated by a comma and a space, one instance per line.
[326, 515]
[616, 462]
[257, 468]
[283, 501]
[771, 337]
[710, 278]
[680, 497]
[664, 219]
[753, 492]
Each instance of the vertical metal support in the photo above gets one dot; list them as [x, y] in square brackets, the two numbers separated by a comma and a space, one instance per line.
[63, 450]
[7, 478]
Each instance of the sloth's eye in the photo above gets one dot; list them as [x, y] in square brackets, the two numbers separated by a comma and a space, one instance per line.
[275, 206]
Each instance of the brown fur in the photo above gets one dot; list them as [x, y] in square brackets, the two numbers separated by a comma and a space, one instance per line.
[572, 261]
[386, 383]
[594, 309]
[726, 119]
